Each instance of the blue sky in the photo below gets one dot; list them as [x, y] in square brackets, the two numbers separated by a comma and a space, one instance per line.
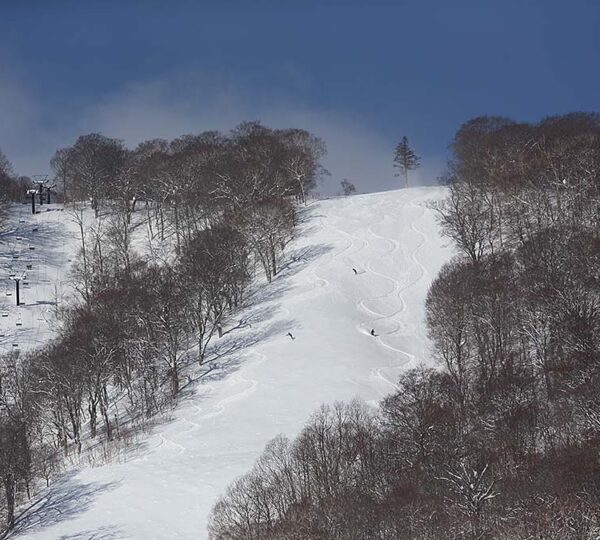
[360, 74]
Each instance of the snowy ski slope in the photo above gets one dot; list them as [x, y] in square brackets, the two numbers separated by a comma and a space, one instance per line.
[268, 383]
[38, 248]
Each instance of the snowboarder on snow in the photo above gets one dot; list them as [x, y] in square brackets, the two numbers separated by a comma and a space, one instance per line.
[291, 335]
[373, 332]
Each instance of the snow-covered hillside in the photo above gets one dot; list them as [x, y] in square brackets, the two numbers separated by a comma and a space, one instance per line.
[359, 263]
[38, 250]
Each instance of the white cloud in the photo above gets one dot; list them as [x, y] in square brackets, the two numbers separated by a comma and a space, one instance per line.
[18, 114]
[190, 104]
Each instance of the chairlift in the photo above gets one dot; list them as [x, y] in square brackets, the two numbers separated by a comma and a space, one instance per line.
[12, 274]
[15, 344]
[21, 220]
[8, 293]
[32, 247]
[35, 229]
[19, 323]
[5, 313]
[15, 256]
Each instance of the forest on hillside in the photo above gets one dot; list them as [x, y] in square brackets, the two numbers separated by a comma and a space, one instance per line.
[500, 439]
[221, 207]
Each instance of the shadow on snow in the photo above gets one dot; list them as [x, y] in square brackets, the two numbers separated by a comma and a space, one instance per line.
[63, 500]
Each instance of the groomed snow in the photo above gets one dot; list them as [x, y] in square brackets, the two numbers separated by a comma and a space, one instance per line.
[38, 248]
[268, 383]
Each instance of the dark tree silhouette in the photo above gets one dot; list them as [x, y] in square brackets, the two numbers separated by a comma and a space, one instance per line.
[405, 159]
[348, 187]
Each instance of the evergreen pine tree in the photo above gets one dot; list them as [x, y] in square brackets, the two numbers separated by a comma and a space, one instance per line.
[405, 159]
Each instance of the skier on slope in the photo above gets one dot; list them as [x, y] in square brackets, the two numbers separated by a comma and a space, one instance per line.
[373, 332]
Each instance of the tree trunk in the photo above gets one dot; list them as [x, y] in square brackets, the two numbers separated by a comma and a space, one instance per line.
[75, 425]
[174, 378]
[104, 411]
[177, 232]
[92, 411]
[273, 261]
[9, 492]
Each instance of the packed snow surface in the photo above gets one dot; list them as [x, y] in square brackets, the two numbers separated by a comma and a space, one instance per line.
[358, 264]
[36, 249]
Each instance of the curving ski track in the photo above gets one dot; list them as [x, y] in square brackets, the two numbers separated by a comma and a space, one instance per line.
[272, 383]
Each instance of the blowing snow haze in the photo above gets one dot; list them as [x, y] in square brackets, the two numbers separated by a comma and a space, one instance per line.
[358, 75]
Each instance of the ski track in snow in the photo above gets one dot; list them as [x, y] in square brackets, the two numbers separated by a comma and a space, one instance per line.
[219, 408]
[168, 488]
[397, 290]
[410, 284]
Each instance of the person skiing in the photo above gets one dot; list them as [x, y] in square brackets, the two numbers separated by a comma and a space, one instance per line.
[291, 335]
[354, 270]
[373, 332]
